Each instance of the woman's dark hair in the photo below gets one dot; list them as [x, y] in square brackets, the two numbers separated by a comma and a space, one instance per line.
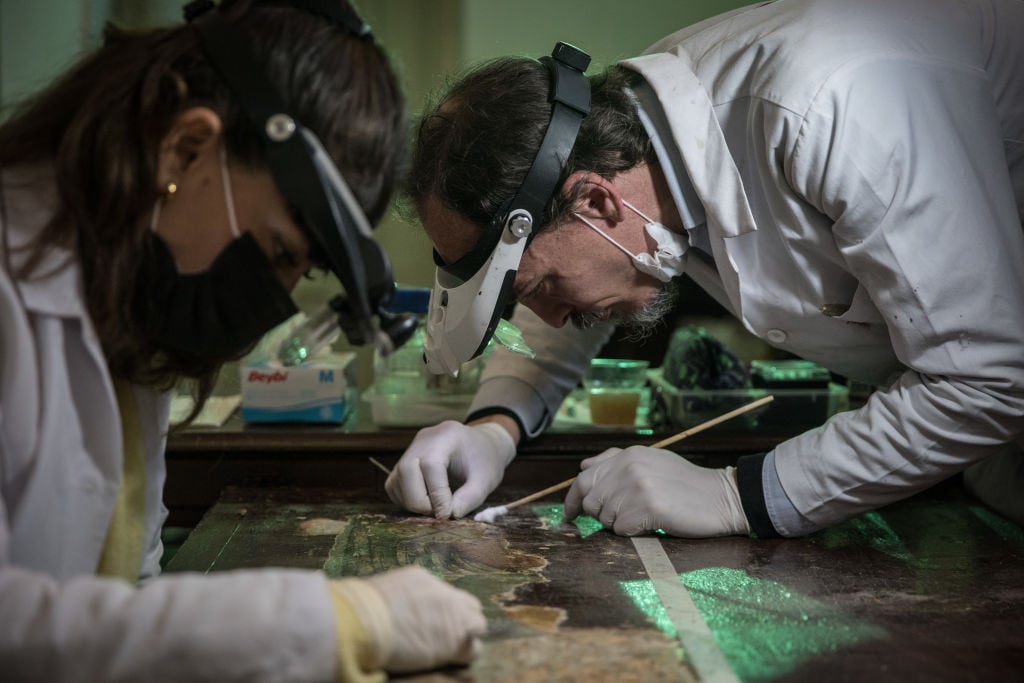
[475, 144]
[101, 123]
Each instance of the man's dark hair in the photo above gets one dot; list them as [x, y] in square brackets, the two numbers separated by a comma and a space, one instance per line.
[475, 144]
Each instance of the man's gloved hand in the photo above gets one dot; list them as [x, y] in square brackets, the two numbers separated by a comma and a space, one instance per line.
[415, 621]
[473, 457]
[639, 489]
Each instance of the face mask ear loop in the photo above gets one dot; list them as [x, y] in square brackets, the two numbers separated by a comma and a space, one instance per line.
[229, 198]
[606, 236]
[154, 218]
[639, 212]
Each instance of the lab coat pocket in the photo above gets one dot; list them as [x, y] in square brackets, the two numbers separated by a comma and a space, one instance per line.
[860, 311]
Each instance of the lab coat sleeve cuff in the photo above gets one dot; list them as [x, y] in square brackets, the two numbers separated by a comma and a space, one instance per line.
[749, 482]
[514, 398]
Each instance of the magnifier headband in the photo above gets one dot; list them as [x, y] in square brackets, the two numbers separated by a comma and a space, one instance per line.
[464, 311]
[470, 295]
[303, 171]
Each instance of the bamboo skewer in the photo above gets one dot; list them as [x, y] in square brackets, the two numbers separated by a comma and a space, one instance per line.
[379, 465]
[492, 513]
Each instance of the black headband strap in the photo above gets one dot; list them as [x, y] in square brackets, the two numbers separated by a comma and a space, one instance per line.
[331, 215]
[570, 98]
[337, 12]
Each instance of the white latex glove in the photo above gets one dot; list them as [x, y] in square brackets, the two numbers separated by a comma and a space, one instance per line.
[639, 489]
[472, 457]
[414, 621]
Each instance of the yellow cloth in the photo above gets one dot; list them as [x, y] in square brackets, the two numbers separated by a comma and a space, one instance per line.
[122, 551]
[358, 658]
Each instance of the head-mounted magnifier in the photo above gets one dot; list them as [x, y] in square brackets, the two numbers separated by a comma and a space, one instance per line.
[470, 294]
[306, 175]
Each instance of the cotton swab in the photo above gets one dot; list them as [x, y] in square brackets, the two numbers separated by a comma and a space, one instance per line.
[491, 514]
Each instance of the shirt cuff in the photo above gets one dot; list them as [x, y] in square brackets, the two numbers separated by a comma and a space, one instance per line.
[784, 516]
[514, 398]
[495, 410]
[749, 481]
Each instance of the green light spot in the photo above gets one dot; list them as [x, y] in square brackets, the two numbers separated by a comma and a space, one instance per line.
[763, 628]
[553, 515]
[549, 515]
[643, 595]
[587, 525]
[871, 530]
[1004, 528]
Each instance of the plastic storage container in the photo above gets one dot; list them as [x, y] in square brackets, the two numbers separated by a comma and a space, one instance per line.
[792, 373]
[792, 408]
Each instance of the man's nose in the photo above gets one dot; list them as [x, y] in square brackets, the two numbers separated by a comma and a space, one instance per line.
[554, 313]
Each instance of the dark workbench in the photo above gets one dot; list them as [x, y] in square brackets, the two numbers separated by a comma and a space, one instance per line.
[929, 589]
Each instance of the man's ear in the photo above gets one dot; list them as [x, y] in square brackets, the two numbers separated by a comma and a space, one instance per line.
[595, 196]
[194, 132]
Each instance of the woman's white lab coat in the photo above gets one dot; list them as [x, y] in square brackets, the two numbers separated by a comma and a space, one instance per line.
[60, 471]
[861, 167]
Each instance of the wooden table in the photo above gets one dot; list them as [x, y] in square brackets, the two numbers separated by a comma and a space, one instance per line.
[931, 589]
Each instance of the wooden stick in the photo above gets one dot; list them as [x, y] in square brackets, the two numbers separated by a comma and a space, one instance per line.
[660, 444]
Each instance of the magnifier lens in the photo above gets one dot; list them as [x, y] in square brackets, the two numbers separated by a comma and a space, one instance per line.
[509, 336]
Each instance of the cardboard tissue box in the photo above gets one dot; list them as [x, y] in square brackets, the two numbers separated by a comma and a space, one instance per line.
[318, 390]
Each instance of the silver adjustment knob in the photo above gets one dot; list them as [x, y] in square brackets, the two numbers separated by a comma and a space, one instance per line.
[520, 223]
[280, 127]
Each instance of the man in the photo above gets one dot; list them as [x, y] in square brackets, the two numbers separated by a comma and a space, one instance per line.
[846, 178]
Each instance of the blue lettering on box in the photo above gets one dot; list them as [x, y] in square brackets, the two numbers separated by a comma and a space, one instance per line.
[326, 376]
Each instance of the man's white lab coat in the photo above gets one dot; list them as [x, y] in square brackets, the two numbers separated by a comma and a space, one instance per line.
[861, 168]
[60, 471]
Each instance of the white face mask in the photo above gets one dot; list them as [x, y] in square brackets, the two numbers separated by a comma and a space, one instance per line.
[667, 260]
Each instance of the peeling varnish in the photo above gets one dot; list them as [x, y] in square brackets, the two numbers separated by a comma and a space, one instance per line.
[322, 526]
[546, 619]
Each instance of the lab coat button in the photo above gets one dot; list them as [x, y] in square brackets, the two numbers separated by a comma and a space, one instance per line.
[89, 486]
[775, 336]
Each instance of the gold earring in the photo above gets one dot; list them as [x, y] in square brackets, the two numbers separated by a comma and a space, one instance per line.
[172, 187]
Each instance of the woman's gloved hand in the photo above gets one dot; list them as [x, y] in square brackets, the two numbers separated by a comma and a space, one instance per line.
[413, 620]
[637, 490]
[471, 457]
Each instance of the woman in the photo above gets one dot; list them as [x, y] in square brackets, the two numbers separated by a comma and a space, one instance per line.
[144, 241]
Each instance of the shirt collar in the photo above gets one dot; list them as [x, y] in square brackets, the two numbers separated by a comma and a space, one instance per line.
[652, 116]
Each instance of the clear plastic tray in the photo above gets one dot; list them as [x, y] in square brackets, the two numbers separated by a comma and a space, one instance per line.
[415, 409]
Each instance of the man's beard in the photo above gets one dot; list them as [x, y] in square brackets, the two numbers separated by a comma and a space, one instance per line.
[642, 323]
